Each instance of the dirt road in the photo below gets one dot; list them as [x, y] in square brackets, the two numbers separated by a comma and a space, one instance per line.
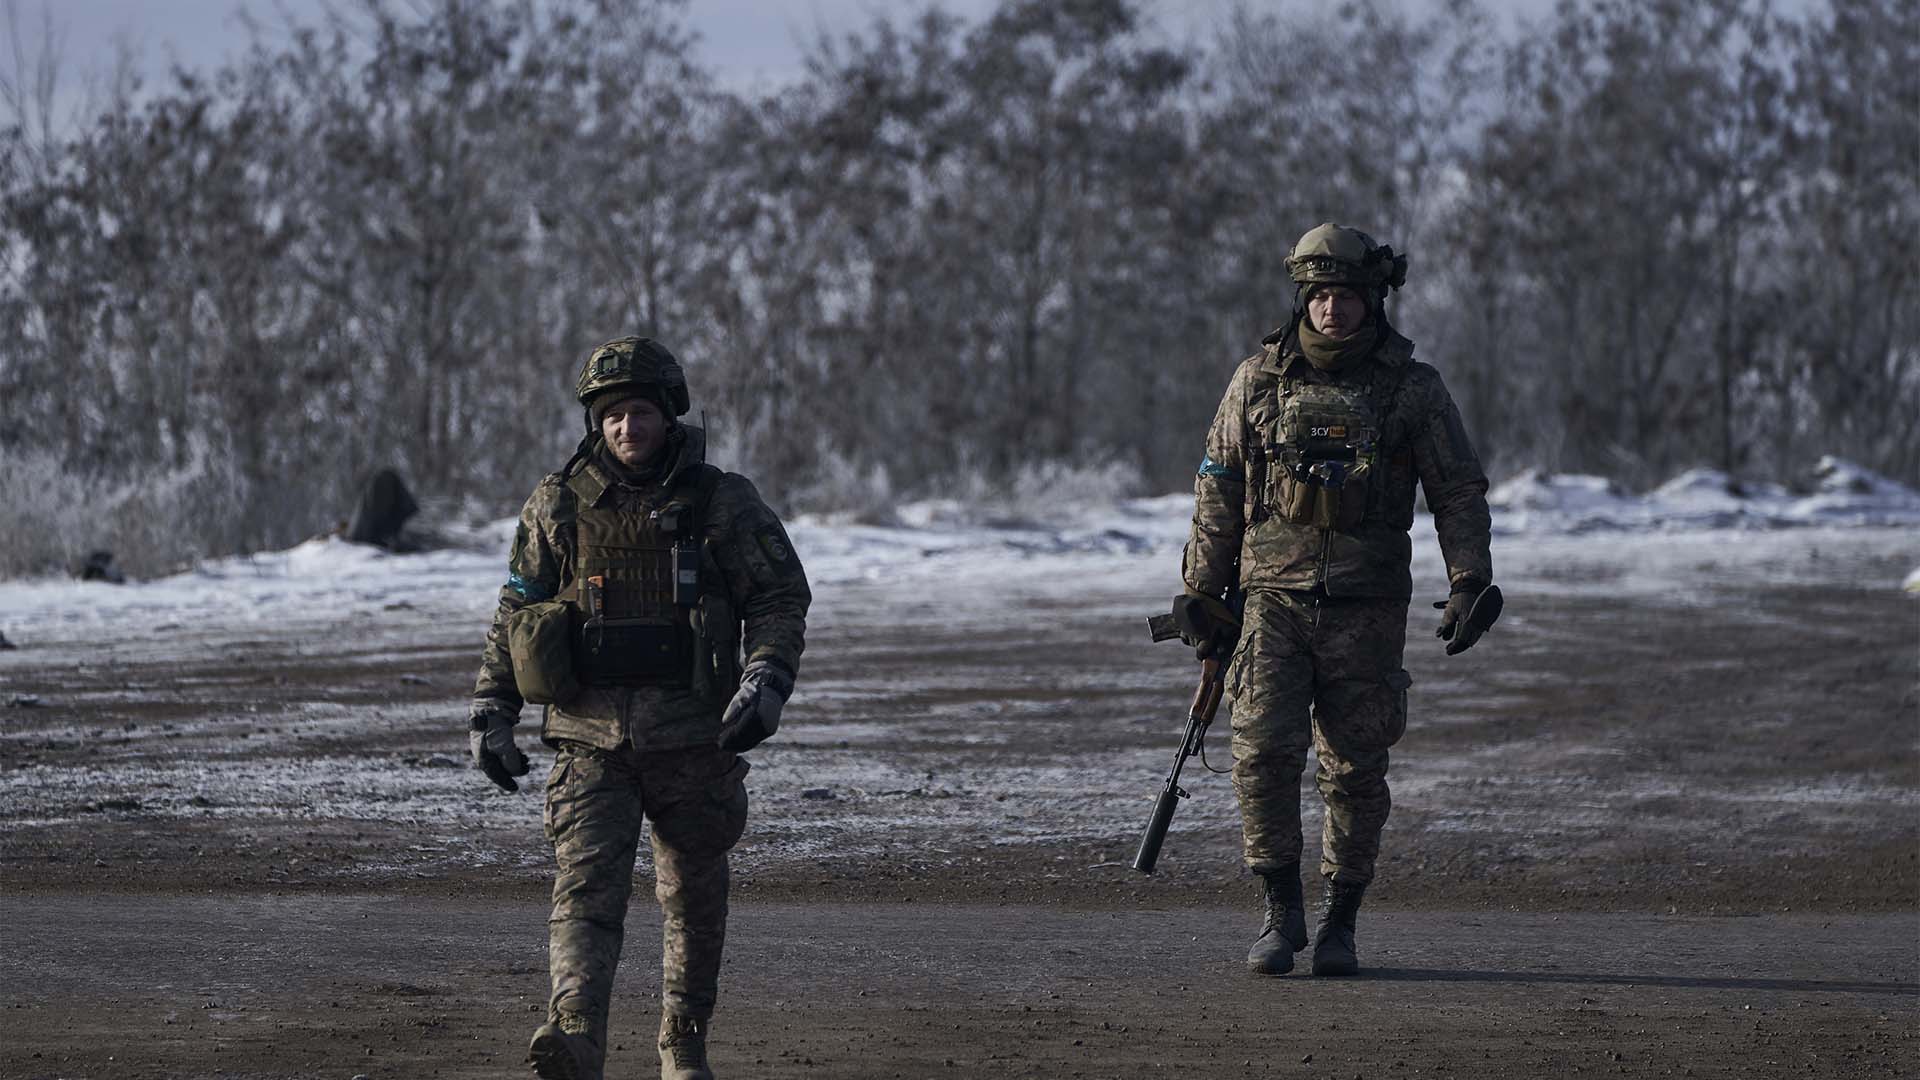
[311, 986]
[1637, 832]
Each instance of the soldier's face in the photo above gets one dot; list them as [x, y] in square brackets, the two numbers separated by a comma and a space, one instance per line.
[635, 430]
[1336, 310]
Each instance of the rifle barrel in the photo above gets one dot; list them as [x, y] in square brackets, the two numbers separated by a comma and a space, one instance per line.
[1150, 841]
[1206, 701]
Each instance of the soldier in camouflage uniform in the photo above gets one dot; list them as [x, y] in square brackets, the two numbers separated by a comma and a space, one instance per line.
[1303, 504]
[683, 609]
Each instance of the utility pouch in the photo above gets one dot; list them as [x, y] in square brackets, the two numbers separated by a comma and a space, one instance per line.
[1350, 502]
[1295, 499]
[682, 523]
[716, 650]
[540, 641]
[686, 571]
[638, 651]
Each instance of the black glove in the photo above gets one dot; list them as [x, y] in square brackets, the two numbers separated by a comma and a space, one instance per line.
[1207, 624]
[1469, 612]
[754, 713]
[490, 736]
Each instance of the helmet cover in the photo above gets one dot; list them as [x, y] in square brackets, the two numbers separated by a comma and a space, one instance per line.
[642, 364]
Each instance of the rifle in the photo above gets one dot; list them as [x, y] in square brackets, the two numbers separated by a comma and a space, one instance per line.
[1189, 622]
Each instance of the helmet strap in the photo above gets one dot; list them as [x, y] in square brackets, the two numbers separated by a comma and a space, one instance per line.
[581, 452]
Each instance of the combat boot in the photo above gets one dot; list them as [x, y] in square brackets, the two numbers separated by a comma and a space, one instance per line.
[1284, 931]
[566, 1048]
[683, 1048]
[1333, 951]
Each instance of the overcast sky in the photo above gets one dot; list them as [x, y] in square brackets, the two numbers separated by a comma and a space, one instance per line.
[748, 43]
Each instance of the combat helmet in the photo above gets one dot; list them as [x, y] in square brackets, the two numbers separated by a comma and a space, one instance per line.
[642, 364]
[1331, 254]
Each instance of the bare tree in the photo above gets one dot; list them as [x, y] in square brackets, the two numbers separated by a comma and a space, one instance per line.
[948, 254]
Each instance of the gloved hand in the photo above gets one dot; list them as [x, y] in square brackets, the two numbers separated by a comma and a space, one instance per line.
[754, 713]
[490, 735]
[1207, 624]
[1468, 613]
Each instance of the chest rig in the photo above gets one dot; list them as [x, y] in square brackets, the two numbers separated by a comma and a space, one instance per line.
[1321, 446]
[637, 583]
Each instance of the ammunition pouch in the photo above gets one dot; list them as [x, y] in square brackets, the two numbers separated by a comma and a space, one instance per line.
[540, 641]
[1325, 493]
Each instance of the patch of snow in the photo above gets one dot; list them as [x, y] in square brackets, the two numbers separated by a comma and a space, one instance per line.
[1535, 502]
[1838, 476]
[1851, 495]
[1534, 489]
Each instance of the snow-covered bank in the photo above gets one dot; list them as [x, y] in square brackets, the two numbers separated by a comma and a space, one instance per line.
[1552, 533]
[1844, 494]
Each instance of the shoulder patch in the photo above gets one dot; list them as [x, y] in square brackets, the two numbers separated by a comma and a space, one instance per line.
[773, 543]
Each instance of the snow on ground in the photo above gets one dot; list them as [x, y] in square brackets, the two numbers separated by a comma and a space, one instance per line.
[1559, 533]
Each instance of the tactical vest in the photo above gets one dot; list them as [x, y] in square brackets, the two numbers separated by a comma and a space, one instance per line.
[637, 585]
[1319, 447]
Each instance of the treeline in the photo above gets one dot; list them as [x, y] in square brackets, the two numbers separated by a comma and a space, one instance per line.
[1644, 234]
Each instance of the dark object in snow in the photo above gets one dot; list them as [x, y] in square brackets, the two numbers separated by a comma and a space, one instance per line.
[100, 567]
[5, 644]
[385, 506]
[27, 701]
[817, 793]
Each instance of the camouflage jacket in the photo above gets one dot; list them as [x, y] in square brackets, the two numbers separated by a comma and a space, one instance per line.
[1238, 537]
[744, 548]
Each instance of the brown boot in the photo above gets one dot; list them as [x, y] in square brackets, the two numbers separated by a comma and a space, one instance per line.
[683, 1048]
[565, 1049]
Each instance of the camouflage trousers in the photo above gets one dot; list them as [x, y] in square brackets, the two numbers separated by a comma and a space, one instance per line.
[596, 801]
[1313, 671]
